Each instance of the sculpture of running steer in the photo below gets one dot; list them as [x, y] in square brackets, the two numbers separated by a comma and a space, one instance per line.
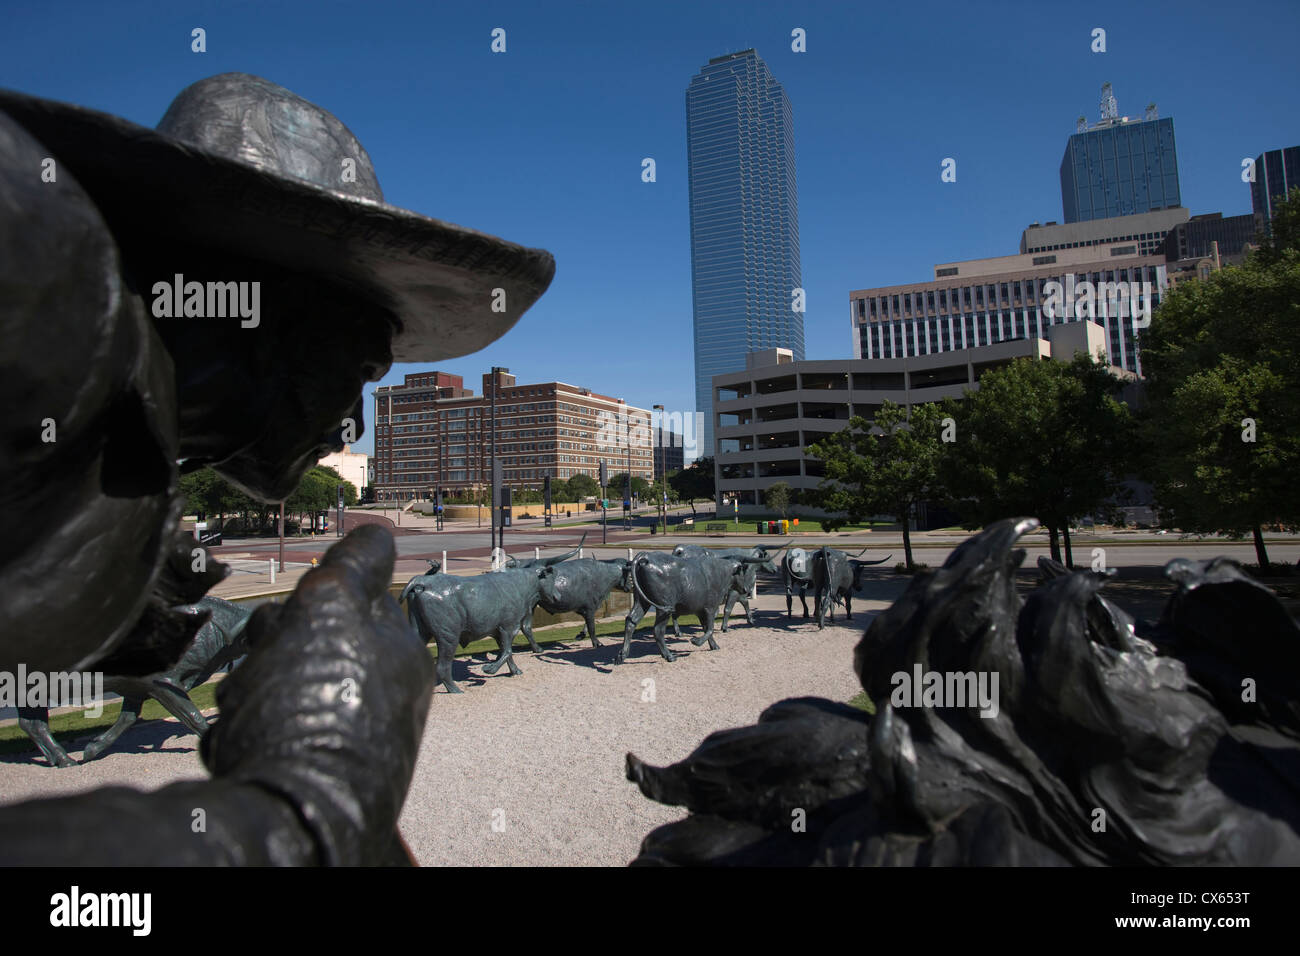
[735, 594]
[219, 642]
[796, 572]
[455, 611]
[673, 585]
[583, 586]
[836, 577]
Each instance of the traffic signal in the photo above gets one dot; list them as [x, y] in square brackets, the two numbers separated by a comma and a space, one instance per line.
[546, 493]
[604, 478]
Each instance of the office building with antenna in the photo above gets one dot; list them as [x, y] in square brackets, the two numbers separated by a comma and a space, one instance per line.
[1119, 166]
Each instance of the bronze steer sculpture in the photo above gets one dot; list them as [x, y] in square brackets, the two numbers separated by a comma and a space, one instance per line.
[220, 641]
[455, 611]
[674, 585]
[583, 586]
[836, 577]
[735, 594]
[796, 573]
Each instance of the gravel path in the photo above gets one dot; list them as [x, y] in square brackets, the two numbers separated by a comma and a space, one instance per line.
[529, 770]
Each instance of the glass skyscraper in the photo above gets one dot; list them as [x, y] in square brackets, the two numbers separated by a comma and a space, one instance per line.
[1119, 168]
[1277, 172]
[744, 221]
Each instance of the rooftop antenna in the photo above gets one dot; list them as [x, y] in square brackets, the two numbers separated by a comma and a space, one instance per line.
[1151, 112]
[1109, 108]
[1081, 124]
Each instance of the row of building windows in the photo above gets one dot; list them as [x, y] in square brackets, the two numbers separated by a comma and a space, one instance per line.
[954, 299]
[1148, 243]
[900, 339]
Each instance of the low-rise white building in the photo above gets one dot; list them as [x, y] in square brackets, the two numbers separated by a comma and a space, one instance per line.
[352, 465]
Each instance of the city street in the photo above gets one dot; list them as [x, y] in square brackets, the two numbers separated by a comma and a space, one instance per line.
[468, 548]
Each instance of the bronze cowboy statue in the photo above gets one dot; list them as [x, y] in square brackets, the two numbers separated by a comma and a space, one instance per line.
[156, 289]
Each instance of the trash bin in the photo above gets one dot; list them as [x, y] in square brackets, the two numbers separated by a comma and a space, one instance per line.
[760, 527]
[785, 526]
[653, 527]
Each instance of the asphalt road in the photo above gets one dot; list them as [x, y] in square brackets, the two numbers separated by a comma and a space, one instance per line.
[931, 551]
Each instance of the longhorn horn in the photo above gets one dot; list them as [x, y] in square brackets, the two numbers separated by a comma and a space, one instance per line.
[549, 562]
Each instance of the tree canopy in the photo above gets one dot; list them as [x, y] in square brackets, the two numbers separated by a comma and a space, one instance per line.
[1222, 362]
[886, 473]
[777, 497]
[694, 482]
[1043, 438]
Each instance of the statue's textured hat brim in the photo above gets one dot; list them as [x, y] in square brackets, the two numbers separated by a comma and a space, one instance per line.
[438, 280]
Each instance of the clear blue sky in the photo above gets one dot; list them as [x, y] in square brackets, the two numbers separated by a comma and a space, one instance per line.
[543, 145]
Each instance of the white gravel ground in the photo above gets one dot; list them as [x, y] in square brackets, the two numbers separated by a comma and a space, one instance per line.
[529, 770]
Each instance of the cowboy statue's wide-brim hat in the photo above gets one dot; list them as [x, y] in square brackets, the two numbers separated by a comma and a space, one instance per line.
[242, 165]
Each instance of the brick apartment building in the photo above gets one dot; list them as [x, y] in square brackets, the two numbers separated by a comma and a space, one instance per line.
[432, 432]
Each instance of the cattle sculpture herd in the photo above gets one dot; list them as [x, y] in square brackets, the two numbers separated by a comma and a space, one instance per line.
[455, 611]
[452, 611]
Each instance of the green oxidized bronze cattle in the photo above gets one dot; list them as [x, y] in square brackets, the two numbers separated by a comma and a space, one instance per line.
[453, 611]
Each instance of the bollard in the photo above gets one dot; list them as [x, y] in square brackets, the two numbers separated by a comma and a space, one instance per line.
[537, 553]
[272, 563]
[580, 553]
[629, 554]
[444, 562]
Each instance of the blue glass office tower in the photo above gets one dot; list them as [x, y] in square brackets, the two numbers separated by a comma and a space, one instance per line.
[1277, 172]
[1120, 168]
[744, 220]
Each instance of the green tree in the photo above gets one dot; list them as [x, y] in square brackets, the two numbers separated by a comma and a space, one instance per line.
[694, 482]
[317, 492]
[559, 490]
[777, 497]
[1042, 438]
[202, 492]
[891, 472]
[640, 487]
[349, 489]
[1222, 361]
[583, 486]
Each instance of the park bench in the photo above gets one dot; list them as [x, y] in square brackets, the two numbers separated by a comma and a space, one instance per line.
[716, 527]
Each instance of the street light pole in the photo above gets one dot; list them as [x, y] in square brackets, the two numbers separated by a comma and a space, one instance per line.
[492, 466]
[663, 497]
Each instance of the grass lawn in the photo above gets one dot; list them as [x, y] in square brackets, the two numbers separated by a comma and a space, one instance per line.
[863, 702]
